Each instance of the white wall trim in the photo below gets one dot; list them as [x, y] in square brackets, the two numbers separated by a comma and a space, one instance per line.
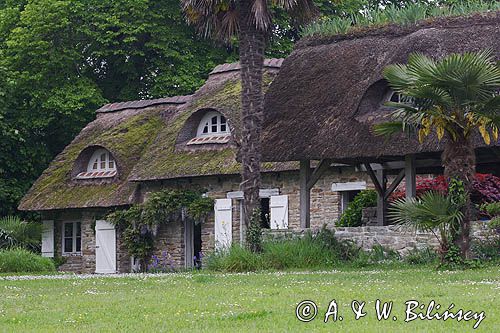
[263, 193]
[350, 186]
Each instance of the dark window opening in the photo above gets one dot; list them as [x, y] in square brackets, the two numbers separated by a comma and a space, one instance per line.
[347, 196]
[197, 246]
[265, 213]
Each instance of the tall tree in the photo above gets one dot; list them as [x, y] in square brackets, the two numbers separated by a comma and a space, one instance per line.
[455, 97]
[60, 60]
[249, 22]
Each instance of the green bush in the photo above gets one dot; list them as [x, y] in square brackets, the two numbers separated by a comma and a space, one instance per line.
[313, 251]
[23, 261]
[351, 217]
[235, 259]
[486, 250]
[426, 255]
[16, 233]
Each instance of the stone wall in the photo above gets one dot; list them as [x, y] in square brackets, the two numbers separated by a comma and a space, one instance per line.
[325, 204]
[392, 237]
[84, 262]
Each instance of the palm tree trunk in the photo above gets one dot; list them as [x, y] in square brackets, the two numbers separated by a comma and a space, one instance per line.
[459, 161]
[251, 51]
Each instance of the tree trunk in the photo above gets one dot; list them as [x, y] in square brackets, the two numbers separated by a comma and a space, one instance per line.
[459, 161]
[251, 50]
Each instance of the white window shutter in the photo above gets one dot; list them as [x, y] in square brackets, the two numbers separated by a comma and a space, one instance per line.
[279, 211]
[223, 223]
[48, 239]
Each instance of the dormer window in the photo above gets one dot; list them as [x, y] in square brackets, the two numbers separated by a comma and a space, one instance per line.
[213, 123]
[100, 165]
[213, 128]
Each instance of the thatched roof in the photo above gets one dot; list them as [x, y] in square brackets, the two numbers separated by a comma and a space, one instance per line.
[148, 139]
[329, 92]
[170, 157]
[125, 134]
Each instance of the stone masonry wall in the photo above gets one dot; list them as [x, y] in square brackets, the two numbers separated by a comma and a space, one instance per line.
[84, 262]
[392, 237]
[325, 204]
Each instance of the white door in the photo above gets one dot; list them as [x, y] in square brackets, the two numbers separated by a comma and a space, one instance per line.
[48, 239]
[278, 206]
[223, 223]
[105, 247]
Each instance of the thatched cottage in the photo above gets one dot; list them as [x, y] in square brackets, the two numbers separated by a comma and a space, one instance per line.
[134, 148]
[331, 91]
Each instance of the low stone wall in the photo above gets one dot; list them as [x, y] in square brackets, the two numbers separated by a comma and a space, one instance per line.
[392, 236]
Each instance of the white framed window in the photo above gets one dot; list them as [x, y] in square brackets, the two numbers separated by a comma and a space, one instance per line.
[72, 237]
[100, 161]
[213, 123]
[347, 192]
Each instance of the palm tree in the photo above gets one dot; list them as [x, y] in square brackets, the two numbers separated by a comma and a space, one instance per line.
[432, 211]
[249, 22]
[15, 232]
[454, 96]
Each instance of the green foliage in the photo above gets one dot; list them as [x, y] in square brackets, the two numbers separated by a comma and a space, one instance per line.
[16, 233]
[351, 217]
[455, 95]
[423, 256]
[24, 261]
[254, 232]
[398, 12]
[313, 251]
[488, 249]
[140, 222]
[492, 208]
[60, 60]
[432, 211]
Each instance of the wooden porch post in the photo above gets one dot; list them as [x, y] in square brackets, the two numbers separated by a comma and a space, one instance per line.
[410, 176]
[305, 194]
[381, 200]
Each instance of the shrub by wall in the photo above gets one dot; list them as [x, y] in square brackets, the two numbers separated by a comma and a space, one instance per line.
[23, 261]
[351, 217]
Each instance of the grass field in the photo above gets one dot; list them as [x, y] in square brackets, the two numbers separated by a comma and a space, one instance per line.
[259, 302]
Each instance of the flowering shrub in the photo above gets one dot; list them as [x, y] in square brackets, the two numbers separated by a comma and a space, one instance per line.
[163, 264]
[485, 188]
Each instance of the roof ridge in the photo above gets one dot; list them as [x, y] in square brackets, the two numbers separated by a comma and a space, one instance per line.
[139, 104]
[235, 66]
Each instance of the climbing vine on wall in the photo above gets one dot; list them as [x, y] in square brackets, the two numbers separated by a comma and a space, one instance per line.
[139, 224]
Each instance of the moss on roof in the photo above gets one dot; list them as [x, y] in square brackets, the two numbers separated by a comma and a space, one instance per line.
[125, 134]
[163, 161]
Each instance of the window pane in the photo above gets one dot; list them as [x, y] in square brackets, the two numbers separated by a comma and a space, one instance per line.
[223, 127]
[205, 129]
[68, 229]
[111, 164]
[222, 119]
[78, 244]
[214, 120]
[214, 129]
[95, 165]
[68, 245]
[103, 157]
[78, 229]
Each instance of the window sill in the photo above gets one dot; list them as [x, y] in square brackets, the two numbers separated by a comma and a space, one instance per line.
[96, 174]
[200, 140]
[72, 254]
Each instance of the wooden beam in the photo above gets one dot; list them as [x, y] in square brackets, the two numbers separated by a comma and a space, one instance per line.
[394, 184]
[381, 201]
[373, 177]
[305, 194]
[318, 172]
[410, 176]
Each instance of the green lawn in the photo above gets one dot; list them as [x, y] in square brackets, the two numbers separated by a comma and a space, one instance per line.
[263, 302]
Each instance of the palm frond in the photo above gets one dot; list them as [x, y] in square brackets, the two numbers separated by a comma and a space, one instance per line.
[432, 210]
